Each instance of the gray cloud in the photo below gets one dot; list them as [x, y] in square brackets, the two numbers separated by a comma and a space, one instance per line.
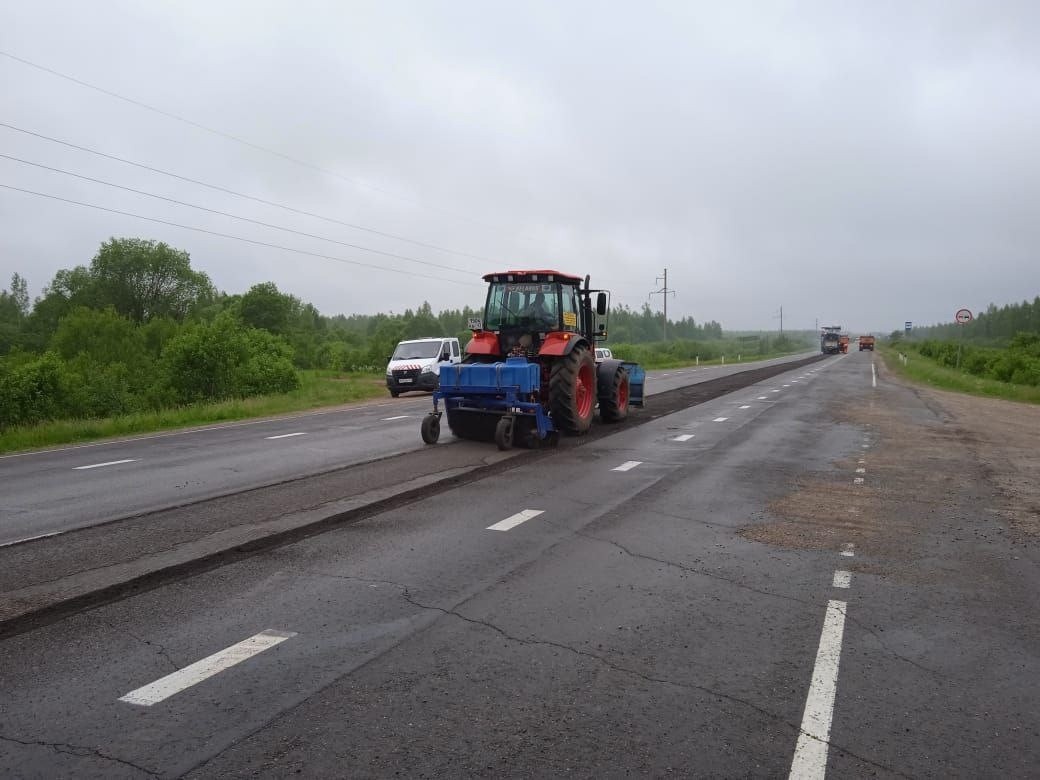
[857, 163]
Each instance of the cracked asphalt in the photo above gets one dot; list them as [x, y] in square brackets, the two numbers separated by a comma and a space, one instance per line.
[660, 621]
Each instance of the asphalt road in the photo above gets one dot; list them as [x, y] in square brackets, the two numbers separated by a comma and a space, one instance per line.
[75, 487]
[602, 612]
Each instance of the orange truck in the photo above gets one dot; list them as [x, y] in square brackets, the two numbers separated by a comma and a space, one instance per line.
[843, 343]
[866, 342]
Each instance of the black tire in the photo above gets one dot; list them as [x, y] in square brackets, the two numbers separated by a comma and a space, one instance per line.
[431, 428]
[613, 404]
[394, 394]
[572, 391]
[504, 433]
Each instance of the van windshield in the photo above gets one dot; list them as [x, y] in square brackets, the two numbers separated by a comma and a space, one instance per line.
[417, 349]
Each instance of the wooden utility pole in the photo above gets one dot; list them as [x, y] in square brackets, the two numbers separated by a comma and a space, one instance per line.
[665, 292]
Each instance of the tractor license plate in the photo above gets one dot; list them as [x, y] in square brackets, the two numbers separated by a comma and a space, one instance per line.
[405, 381]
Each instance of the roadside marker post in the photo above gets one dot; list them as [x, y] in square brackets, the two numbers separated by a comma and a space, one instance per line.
[963, 317]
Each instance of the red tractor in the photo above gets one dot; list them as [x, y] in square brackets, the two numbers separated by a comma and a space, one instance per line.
[529, 371]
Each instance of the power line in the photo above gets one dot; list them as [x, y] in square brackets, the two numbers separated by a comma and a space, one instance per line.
[232, 216]
[254, 198]
[236, 139]
[234, 237]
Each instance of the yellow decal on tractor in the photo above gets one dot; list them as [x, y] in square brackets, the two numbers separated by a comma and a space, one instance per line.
[570, 319]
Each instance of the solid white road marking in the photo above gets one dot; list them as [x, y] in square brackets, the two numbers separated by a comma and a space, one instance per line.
[745, 407]
[398, 417]
[810, 755]
[167, 686]
[848, 552]
[873, 373]
[286, 435]
[861, 471]
[720, 419]
[514, 520]
[683, 437]
[628, 465]
[857, 481]
[842, 579]
[102, 465]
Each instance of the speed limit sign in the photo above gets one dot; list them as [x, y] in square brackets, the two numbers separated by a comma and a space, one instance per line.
[964, 316]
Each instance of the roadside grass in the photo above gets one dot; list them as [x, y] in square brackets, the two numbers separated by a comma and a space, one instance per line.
[925, 371]
[317, 389]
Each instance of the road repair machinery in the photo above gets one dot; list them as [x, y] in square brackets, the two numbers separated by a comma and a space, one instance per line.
[830, 339]
[529, 372]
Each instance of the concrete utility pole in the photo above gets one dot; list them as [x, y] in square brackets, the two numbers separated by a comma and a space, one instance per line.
[665, 292]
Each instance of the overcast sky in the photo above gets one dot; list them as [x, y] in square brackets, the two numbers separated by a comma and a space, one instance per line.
[857, 163]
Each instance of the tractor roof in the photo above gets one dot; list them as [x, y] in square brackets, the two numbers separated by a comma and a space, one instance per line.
[528, 276]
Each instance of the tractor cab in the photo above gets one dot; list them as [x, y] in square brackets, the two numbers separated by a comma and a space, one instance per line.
[527, 312]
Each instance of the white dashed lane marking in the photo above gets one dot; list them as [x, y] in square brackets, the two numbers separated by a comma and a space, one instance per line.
[167, 686]
[842, 579]
[286, 435]
[810, 755]
[514, 520]
[720, 419]
[745, 407]
[628, 465]
[762, 397]
[683, 437]
[102, 465]
[861, 470]
[849, 550]
[398, 417]
[857, 481]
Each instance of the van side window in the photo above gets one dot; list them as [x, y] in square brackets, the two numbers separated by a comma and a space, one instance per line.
[454, 349]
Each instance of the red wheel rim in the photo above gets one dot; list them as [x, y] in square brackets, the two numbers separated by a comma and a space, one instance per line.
[583, 392]
[622, 396]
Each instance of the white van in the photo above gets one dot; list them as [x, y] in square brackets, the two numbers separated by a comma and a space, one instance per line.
[416, 363]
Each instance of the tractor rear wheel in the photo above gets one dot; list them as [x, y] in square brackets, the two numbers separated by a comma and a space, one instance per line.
[613, 404]
[572, 391]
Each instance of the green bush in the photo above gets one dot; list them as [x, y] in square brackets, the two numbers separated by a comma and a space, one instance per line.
[33, 391]
[225, 359]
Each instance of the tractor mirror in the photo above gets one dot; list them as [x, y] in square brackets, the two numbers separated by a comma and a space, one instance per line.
[601, 304]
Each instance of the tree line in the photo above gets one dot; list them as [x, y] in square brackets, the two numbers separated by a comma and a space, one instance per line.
[994, 327]
[139, 329]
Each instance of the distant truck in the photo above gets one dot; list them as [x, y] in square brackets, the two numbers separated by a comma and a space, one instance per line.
[866, 342]
[843, 343]
[830, 343]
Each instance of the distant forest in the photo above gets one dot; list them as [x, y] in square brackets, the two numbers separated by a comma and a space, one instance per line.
[1000, 343]
[139, 328]
[994, 327]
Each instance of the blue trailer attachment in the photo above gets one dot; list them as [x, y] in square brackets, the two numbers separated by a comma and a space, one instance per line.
[508, 390]
[636, 382]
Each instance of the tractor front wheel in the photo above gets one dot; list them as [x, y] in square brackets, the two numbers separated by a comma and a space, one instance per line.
[572, 391]
[613, 404]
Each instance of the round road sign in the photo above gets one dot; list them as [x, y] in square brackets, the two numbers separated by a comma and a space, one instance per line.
[964, 316]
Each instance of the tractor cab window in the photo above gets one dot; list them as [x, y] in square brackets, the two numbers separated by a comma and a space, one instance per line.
[571, 310]
[533, 305]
